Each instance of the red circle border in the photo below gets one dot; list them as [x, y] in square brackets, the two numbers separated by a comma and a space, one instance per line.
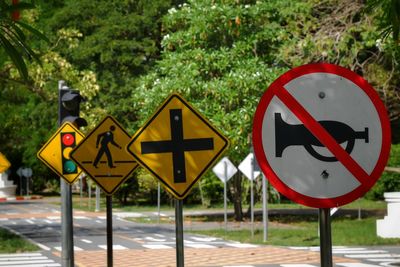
[259, 150]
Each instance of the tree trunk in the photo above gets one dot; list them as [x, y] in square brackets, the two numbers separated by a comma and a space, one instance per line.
[237, 197]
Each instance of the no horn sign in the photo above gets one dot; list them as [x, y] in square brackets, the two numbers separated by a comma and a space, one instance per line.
[321, 135]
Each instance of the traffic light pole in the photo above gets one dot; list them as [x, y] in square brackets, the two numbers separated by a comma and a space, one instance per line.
[67, 243]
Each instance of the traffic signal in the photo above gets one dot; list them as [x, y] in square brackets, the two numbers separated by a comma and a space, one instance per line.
[69, 101]
[68, 142]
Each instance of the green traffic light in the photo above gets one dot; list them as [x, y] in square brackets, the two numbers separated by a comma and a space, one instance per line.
[69, 166]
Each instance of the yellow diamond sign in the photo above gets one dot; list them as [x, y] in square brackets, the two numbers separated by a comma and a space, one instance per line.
[4, 163]
[177, 145]
[56, 152]
[103, 157]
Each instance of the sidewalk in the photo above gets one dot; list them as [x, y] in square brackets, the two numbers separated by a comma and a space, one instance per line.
[203, 257]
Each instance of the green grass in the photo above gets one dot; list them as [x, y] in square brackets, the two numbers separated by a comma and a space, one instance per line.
[12, 243]
[84, 205]
[345, 232]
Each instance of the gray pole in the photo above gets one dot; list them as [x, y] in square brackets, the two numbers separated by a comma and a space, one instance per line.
[265, 207]
[252, 196]
[27, 186]
[225, 179]
[20, 185]
[325, 237]
[158, 201]
[90, 193]
[80, 190]
[67, 244]
[97, 198]
[179, 232]
[109, 232]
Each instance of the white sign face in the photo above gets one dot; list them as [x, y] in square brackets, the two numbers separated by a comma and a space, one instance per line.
[27, 172]
[245, 167]
[321, 135]
[219, 169]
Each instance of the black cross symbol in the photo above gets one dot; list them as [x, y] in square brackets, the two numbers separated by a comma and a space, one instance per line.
[177, 145]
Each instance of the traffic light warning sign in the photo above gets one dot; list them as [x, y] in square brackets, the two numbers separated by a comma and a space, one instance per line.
[56, 152]
[4, 163]
[177, 145]
[103, 157]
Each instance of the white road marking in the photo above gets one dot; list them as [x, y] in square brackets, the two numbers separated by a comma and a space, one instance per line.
[154, 239]
[356, 264]
[158, 235]
[26, 260]
[115, 247]
[203, 239]
[87, 241]
[357, 251]
[366, 256]
[156, 246]
[75, 248]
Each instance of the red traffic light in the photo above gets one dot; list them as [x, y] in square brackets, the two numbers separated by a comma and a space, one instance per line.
[68, 139]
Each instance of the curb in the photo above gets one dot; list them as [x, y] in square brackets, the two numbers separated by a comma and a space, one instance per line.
[18, 198]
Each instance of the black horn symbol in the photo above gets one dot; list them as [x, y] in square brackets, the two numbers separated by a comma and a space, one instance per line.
[298, 135]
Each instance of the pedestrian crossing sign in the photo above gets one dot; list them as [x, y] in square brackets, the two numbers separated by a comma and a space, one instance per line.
[102, 155]
[177, 145]
[56, 152]
[4, 163]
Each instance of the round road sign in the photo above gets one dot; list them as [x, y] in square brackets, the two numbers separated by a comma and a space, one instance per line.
[321, 135]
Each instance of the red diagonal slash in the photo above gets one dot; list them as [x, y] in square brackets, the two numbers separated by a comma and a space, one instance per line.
[324, 137]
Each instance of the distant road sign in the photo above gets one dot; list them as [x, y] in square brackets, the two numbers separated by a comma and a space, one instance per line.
[4, 163]
[219, 169]
[177, 145]
[103, 157]
[245, 167]
[56, 152]
[321, 135]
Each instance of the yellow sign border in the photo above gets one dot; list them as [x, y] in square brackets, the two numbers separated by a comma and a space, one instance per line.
[49, 141]
[203, 119]
[107, 192]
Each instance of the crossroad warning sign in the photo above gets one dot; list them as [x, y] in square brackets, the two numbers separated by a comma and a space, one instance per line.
[321, 135]
[177, 145]
[102, 155]
[56, 152]
[4, 163]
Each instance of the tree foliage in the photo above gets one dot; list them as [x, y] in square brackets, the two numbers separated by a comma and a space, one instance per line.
[127, 56]
[13, 38]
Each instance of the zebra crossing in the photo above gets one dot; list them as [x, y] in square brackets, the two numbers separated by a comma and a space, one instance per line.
[27, 260]
[45, 233]
[368, 257]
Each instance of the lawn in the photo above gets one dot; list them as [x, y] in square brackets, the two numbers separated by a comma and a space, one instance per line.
[12, 243]
[345, 232]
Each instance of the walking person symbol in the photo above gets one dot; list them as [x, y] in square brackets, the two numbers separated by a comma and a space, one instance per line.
[104, 139]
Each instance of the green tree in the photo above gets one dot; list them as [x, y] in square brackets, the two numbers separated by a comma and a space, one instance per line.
[221, 57]
[13, 38]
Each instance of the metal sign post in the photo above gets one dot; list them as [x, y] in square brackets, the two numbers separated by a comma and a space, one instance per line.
[325, 237]
[249, 168]
[225, 180]
[109, 232]
[265, 207]
[67, 244]
[224, 170]
[179, 232]
[252, 196]
[158, 201]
